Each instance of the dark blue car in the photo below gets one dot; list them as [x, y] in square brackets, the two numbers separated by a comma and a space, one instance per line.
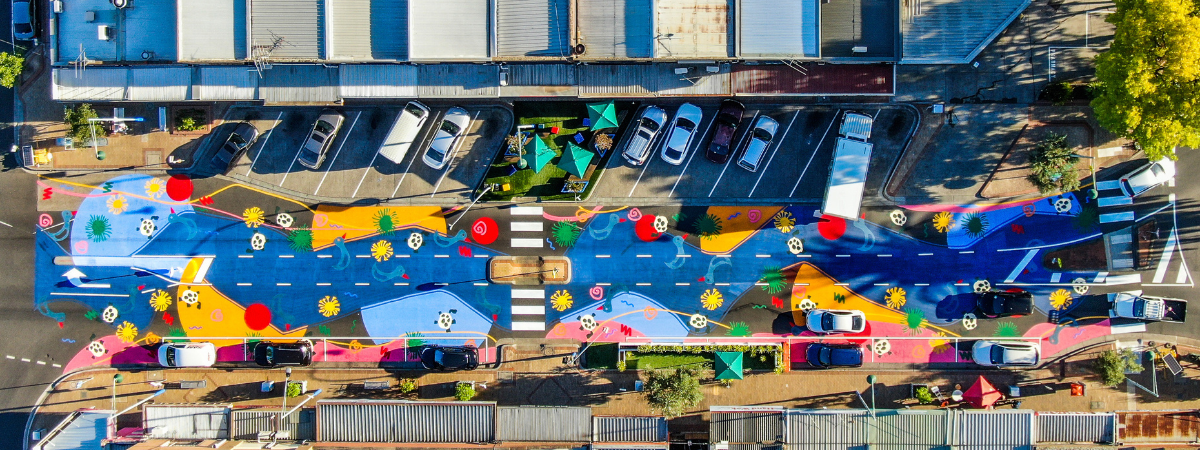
[824, 356]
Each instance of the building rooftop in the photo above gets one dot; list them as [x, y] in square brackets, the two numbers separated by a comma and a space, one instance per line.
[953, 31]
[288, 29]
[778, 29]
[617, 29]
[859, 29]
[533, 29]
[691, 29]
[449, 30]
[102, 32]
[212, 30]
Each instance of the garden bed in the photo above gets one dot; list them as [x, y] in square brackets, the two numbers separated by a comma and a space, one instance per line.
[608, 356]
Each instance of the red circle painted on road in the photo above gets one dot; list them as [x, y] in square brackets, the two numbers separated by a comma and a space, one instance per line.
[485, 231]
[645, 228]
[179, 187]
[831, 227]
[258, 316]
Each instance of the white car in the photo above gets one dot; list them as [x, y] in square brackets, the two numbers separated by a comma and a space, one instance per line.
[192, 354]
[1147, 177]
[448, 136]
[637, 151]
[836, 321]
[682, 130]
[1005, 354]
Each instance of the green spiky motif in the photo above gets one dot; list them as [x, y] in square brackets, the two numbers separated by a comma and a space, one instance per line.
[385, 222]
[914, 320]
[1007, 329]
[98, 229]
[837, 297]
[976, 224]
[709, 226]
[413, 340]
[300, 239]
[565, 234]
[773, 277]
[738, 329]
[176, 332]
[323, 329]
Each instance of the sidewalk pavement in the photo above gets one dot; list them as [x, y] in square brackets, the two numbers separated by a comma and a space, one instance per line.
[535, 374]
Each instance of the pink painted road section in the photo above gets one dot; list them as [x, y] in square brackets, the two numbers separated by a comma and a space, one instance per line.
[968, 208]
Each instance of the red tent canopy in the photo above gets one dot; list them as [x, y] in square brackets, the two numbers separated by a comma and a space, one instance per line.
[982, 394]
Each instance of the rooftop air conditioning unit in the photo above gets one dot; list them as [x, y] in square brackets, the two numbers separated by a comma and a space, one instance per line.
[57, 5]
[103, 32]
[121, 3]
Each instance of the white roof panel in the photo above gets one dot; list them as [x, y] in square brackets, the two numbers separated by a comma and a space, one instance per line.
[212, 30]
[769, 29]
[847, 177]
[449, 30]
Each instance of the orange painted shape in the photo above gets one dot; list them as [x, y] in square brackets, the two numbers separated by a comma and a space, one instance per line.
[357, 222]
[739, 228]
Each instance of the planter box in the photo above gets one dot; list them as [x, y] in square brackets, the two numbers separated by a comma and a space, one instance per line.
[206, 126]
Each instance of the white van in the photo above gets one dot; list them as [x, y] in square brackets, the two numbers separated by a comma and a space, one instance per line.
[404, 131]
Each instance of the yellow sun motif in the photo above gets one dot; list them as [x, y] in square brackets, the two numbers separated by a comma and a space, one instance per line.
[561, 301]
[127, 332]
[155, 187]
[355, 345]
[944, 221]
[160, 300]
[1060, 299]
[382, 251]
[117, 204]
[784, 222]
[329, 306]
[896, 297]
[254, 217]
[152, 338]
[711, 299]
[939, 346]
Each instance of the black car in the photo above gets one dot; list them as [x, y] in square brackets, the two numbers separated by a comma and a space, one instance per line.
[824, 356]
[449, 358]
[271, 354]
[729, 116]
[995, 304]
[238, 142]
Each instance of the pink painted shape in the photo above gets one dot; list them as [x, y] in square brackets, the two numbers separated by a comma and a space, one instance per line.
[1067, 337]
[969, 208]
[575, 331]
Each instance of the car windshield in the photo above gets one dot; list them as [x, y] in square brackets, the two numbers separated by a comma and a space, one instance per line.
[270, 355]
[308, 155]
[856, 322]
[823, 356]
[436, 154]
[24, 28]
[1139, 307]
[450, 127]
[827, 322]
[1157, 170]
[324, 127]
[686, 124]
[997, 354]
[414, 110]
[237, 140]
[171, 356]
[649, 124]
[762, 134]
[727, 120]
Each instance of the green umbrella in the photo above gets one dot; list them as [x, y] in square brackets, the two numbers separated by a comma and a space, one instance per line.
[537, 154]
[575, 160]
[603, 115]
[729, 365]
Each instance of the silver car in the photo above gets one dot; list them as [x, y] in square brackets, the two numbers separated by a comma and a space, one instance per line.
[1147, 177]
[756, 147]
[1005, 354]
[637, 151]
[312, 154]
[683, 129]
[449, 133]
[836, 321]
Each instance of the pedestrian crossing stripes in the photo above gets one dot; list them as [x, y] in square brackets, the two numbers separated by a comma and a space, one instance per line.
[1108, 184]
[525, 210]
[527, 243]
[1119, 200]
[528, 310]
[526, 226]
[529, 293]
[1117, 217]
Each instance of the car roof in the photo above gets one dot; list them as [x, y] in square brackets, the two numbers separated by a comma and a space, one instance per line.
[767, 123]
[458, 116]
[1019, 353]
[655, 113]
[733, 107]
[690, 112]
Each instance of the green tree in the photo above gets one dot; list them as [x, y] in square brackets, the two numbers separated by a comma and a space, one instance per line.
[1112, 365]
[673, 392]
[11, 67]
[1151, 75]
[81, 128]
[464, 391]
[1053, 165]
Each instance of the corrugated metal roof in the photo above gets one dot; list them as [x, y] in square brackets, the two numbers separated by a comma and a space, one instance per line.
[186, 421]
[826, 428]
[696, 82]
[1158, 426]
[389, 30]
[663, 446]
[746, 426]
[458, 80]
[401, 421]
[226, 83]
[910, 430]
[775, 29]
[954, 31]
[617, 80]
[819, 79]
[541, 75]
[544, 424]
[857, 126]
[96, 83]
[1076, 427]
[148, 27]
[616, 29]
[83, 430]
[869, 24]
[629, 429]
[533, 28]
[348, 38]
[246, 423]
[995, 429]
[212, 30]
[841, 429]
[292, 83]
[299, 23]
[162, 84]
[378, 81]
[449, 30]
[692, 29]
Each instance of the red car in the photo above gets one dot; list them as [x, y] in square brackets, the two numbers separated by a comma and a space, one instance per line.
[728, 119]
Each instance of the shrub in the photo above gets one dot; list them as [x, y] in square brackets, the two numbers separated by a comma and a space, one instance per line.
[294, 389]
[673, 392]
[1111, 365]
[1059, 93]
[603, 141]
[190, 120]
[923, 395]
[1053, 165]
[620, 366]
[11, 67]
[464, 392]
[81, 128]
[407, 385]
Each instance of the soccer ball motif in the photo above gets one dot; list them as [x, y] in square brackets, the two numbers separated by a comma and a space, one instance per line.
[881, 347]
[807, 305]
[698, 321]
[147, 227]
[795, 245]
[189, 297]
[445, 320]
[660, 224]
[1080, 286]
[969, 321]
[588, 322]
[97, 349]
[899, 218]
[284, 220]
[258, 241]
[1062, 205]
[110, 314]
[982, 286]
[415, 241]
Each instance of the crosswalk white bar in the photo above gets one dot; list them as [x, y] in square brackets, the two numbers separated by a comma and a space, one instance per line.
[529, 310]
[1123, 279]
[1165, 260]
[1020, 267]
[1054, 277]
[525, 210]
[1108, 184]
[1100, 277]
[529, 326]
[529, 293]
[527, 243]
[1117, 217]
[526, 226]
[1119, 200]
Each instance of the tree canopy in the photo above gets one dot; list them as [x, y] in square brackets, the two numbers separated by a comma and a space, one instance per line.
[1151, 75]
[673, 392]
[10, 68]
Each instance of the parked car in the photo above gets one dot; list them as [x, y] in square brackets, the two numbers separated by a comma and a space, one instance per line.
[682, 131]
[448, 135]
[995, 304]
[729, 116]
[408, 124]
[271, 354]
[760, 139]
[449, 358]
[1005, 354]
[23, 19]
[191, 354]
[312, 154]
[824, 356]
[637, 151]
[1147, 177]
[836, 321]
[238, 142]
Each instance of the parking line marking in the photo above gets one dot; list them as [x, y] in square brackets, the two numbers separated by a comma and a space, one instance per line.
[732, 153]
[437, 117]
[346, 137]
[369, 166]
[293, 165]
[814, 153]
[711, 121]
[264, 144]
[450, 165]
[778, 144]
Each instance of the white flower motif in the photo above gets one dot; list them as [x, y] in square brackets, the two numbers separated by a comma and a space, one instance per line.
[881, 347]
[982, 286]
[284, 219]
[698, 321]
[258, 241]
[415, 241]
[969, 321]
[899, 218]
[588, 322]
[445, 320]
[147, 227]
[97, 349]
[110, 314]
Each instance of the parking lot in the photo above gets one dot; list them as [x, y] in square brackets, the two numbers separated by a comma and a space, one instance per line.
[352, 168]
[795, 167]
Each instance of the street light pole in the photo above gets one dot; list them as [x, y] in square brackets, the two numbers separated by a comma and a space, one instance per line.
[871, 379]
[1092, 163]
[287, 379]
[460, 215]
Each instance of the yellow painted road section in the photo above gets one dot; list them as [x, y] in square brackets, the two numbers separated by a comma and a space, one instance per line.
[736, 226]
[357, 222]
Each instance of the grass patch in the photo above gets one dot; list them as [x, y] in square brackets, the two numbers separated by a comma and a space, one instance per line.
[601, 356]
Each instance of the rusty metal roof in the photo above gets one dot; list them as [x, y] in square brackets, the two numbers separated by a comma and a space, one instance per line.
[1158, 426]
[817, 79]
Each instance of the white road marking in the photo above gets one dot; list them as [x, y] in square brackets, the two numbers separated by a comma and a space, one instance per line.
[603, 284]
[644, 256]
[399, 284]
[683, 256]
[733, 154]
[1108, 185]
[643, 284]
[778, 143]
[762, 256]
[722, 284]
[1118, 200]
[264, 144]
[483, 256]
[362, 284]
[526, 226]
[450, 165]
[683, 284]
[604, 256]
[527, 243]
[403, 256]
[56, 365]
[283, 284]
[1055, 277]
[41, 363]
[529, 293]
[528, 309]
[441, 256]
[529, 326]
[10, 357]
[480, 284]
[324, 284]
[245, 284]
[1117, 217]
[814, 153]
[81, 294]
[1021, 266]
[841, 256]
[645, 166]
[883, 284]
[966, 252]
[25, 360]
[362, 256]
[324, 256]
[245, 256]
[884, 255]
[287, 256]
[924, 254]
[711, 121]
[1164, 260]
[345, 137]
[525, 211]
[920, 284]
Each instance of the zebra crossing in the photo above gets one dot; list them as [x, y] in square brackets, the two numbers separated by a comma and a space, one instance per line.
[527, 228]
[1111, 196]
[529, 309]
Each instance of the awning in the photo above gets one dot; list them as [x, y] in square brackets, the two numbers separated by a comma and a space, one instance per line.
[603, 115]
[575, 159]
[729, 365]
[537, 154]
[982, 394]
